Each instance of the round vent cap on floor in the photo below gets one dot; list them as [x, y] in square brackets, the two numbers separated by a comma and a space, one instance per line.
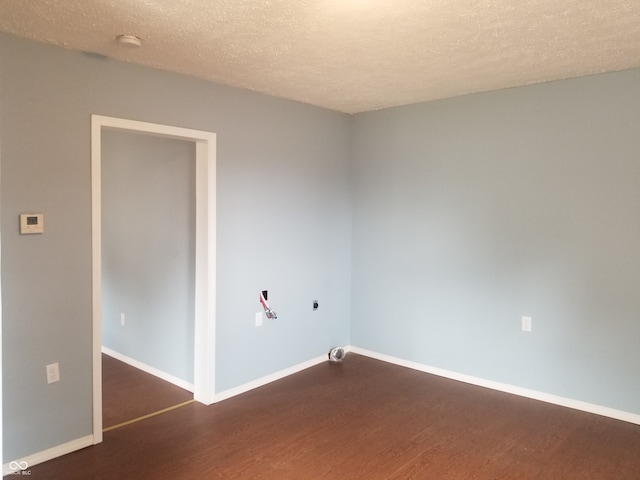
[336, 354]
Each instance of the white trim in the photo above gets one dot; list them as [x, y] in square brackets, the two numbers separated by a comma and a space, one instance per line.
[51, 453]
[232, 392]
[89, 440]
[1, 424]
[205, 308]
[504, 387]
[96, 272]
[167, 377]
[205, 288]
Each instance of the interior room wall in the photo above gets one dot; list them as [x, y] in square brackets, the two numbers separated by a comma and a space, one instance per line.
[472, 212]
[148, 250]
[468, 213]
[283, 223]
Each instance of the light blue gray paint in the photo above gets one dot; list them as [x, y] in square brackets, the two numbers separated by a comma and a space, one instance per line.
[283, 223]
[467, 214]
[471, 212]
[148, 250]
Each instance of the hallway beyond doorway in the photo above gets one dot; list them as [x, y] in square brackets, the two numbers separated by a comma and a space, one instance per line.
[129, 393]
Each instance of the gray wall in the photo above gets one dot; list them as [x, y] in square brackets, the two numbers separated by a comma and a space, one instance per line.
[473, 211]
[467, 214]
[148, 250]
[283, 222]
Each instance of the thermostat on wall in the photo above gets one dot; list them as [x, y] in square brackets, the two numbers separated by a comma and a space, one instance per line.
[31, 223]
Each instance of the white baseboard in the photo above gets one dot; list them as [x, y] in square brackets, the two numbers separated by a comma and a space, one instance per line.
[503, 387]
[232, 392]
[49, 454]
[74, 445]
[149, 369]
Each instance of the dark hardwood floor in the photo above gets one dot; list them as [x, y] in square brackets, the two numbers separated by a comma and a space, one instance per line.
[129, 393]
[362, 419]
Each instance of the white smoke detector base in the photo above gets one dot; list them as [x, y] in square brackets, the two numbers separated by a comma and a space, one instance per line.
[130, 41]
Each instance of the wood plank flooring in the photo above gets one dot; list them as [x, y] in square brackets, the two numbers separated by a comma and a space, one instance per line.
[362, 419]
[129, 393]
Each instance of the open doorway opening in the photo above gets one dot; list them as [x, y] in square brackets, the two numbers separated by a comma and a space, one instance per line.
[130, 394]
[204, 283]
[148, 274]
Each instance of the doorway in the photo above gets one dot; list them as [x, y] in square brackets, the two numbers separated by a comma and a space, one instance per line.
[148, 274]
[130, 394]
[205, 266]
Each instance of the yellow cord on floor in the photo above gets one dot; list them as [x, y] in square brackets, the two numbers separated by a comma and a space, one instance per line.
[129, 422]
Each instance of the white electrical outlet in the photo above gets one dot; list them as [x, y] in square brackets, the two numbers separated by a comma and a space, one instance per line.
[53, 373]
[526, 324]
[122, 319]
[258, 319]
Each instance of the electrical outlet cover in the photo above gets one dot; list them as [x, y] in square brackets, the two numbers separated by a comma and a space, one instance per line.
[53, 373]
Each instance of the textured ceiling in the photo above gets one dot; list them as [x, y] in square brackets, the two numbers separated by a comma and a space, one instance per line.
[348, 55]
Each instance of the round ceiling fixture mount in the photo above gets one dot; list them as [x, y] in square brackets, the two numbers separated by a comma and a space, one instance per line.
[130, 41]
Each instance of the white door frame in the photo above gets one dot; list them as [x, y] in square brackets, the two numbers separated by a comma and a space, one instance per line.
[205, 268]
